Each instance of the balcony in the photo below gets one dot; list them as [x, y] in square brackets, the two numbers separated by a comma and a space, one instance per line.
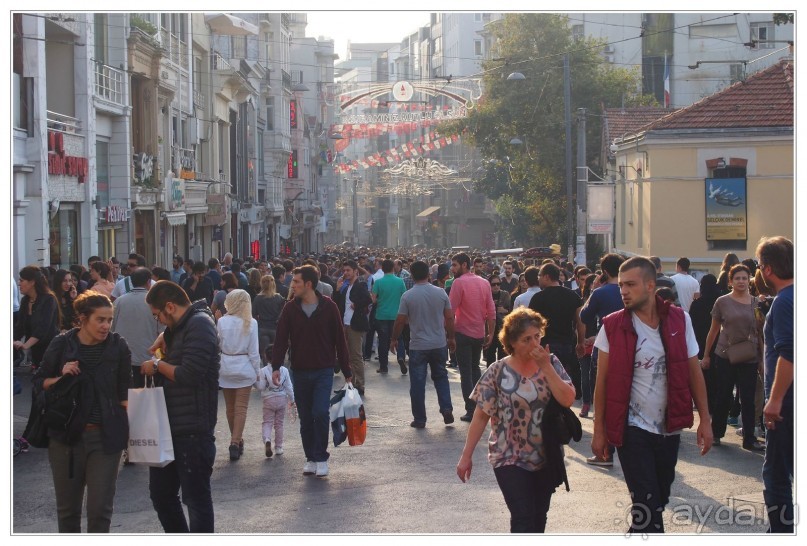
[286, 81]
[183, 162]
[217, 62]
[176, 48]
[62, 123]
[109, 83]
[198, 100]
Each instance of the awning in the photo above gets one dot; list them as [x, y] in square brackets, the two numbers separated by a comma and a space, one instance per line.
[176, 218]
[428, 212]
[229, 25]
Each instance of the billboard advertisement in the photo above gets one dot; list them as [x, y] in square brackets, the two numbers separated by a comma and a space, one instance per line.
[726, 209]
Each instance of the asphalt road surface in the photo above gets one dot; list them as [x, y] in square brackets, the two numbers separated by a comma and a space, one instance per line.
[403, 480]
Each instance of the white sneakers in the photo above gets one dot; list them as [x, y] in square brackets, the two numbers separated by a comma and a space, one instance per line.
[311, 467]
[278, 450]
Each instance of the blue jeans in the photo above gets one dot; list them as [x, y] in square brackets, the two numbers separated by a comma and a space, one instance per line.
[403, 343]
[312, 393]
[418, 362]
[384, 329]
[648, 462]
[193, 464]
[469, 351]
[777, 474]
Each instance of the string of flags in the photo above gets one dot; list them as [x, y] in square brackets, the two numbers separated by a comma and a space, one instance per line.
[417, 147]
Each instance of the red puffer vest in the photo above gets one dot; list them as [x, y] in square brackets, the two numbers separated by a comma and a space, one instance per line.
[622, 340]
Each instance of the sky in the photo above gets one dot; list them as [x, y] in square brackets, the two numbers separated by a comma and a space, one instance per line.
[363, 26]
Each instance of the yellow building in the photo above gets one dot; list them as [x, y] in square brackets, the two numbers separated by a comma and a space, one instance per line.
[710, 178]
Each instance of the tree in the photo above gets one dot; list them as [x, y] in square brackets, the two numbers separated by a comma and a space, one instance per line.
[529, 183]
[782, 18]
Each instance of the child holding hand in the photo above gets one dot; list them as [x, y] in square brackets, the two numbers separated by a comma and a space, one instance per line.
[275, 398]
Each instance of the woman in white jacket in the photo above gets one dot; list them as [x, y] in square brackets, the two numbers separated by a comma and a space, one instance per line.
[240, 362]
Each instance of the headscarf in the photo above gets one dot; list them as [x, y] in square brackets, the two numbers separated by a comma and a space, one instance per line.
[239, 304]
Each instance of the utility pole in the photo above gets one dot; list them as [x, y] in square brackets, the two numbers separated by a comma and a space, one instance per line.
[582, 187]
[567, 116]
[356, 211]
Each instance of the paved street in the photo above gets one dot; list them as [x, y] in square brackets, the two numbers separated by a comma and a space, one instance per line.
[402, 480]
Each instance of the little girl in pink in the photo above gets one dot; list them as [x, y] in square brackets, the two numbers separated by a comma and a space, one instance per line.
[275, 398]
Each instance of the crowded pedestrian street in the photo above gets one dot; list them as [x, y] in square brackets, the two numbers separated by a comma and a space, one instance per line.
[385, 484]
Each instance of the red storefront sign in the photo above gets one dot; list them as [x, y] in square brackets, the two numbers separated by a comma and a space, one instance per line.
[59, 163]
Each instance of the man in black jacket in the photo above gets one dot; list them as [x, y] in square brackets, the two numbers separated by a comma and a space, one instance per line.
[353, 299]
[189, 373]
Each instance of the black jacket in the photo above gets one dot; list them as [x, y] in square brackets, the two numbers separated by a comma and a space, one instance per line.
[44, 323]
[192, 398]
[360, 298]
[110, 381]
[203, 290]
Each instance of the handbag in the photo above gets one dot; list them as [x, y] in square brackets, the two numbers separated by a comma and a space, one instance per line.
[150, 441]
[36, 431]
[61, 402]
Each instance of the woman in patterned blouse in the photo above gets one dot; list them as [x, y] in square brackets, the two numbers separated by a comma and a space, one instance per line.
[512, 394]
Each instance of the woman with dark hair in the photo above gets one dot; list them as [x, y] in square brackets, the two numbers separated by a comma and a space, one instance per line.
[701, 314]
[501, 302]
[99, 271]
[734, 319]
[520, 288]
[39, 316]
[729, 261]
[229, 282]
[78, 272]
[512, 394]
[87, 455]
[65, 291]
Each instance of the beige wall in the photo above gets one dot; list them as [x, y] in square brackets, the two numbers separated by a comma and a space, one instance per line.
[668, 203]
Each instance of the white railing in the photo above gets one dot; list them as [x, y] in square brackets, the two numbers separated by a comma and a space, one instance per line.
[109, 83]
[217, 62]
[184, 158]
[63, 123]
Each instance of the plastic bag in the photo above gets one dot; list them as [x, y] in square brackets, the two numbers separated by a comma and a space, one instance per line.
[150, 440]
[355, 418]
[337, 416]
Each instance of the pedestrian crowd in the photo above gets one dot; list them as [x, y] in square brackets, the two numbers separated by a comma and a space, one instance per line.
[638, 348]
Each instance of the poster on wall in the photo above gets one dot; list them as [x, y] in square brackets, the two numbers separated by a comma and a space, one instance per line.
[726, 209]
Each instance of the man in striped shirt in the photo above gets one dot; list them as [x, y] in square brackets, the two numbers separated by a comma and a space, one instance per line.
[474, 324]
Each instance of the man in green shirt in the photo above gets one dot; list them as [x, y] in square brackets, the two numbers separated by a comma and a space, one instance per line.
[387, 292]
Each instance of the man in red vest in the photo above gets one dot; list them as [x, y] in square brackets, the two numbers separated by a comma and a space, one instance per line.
[648, 375]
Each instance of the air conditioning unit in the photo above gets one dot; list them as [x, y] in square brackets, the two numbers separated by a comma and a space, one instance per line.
[609, 58]
[608, 49]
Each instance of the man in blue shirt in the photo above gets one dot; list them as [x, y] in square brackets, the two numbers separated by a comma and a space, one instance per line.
[603, 301]
[775, 257]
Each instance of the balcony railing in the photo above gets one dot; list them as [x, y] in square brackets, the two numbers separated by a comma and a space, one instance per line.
[217, 62]
[286, 80]
[198, 100]
[183, 160]
[109, 83]
[177, 49]
[63, 123]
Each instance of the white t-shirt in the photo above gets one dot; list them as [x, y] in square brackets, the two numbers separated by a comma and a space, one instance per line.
[348, 307]
[686, 286]
[523, 300]
[648, 393]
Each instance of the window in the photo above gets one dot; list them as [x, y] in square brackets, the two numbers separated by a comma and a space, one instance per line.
[270, 113]
[99, 30]
[577, 33]
[261, 172]
[478, 48]
[762, 33]
[64, 236]
[477, 17]
[239, 47]
[102, 173]
[737, 72]
[197, 74]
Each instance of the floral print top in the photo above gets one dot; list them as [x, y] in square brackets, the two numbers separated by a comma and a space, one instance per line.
[515, 405]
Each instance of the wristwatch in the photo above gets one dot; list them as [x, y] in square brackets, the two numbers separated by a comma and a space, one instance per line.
[156, 362]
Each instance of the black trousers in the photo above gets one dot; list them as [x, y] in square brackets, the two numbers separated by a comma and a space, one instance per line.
[527, 495]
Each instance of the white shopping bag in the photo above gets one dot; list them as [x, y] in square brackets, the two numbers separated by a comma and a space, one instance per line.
[149, 432]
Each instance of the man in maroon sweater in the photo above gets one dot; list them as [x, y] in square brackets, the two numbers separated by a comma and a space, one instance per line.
[311, 326]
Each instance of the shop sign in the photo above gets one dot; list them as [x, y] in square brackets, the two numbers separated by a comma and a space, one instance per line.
[176, 193]
[216, 212]
[116, 214]
[60, 163]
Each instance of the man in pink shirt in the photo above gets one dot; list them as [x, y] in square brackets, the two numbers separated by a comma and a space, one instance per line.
[474, 323]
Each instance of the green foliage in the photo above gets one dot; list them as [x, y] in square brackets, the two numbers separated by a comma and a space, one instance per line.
[138, 22]
[529, 183]
[783, 18]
